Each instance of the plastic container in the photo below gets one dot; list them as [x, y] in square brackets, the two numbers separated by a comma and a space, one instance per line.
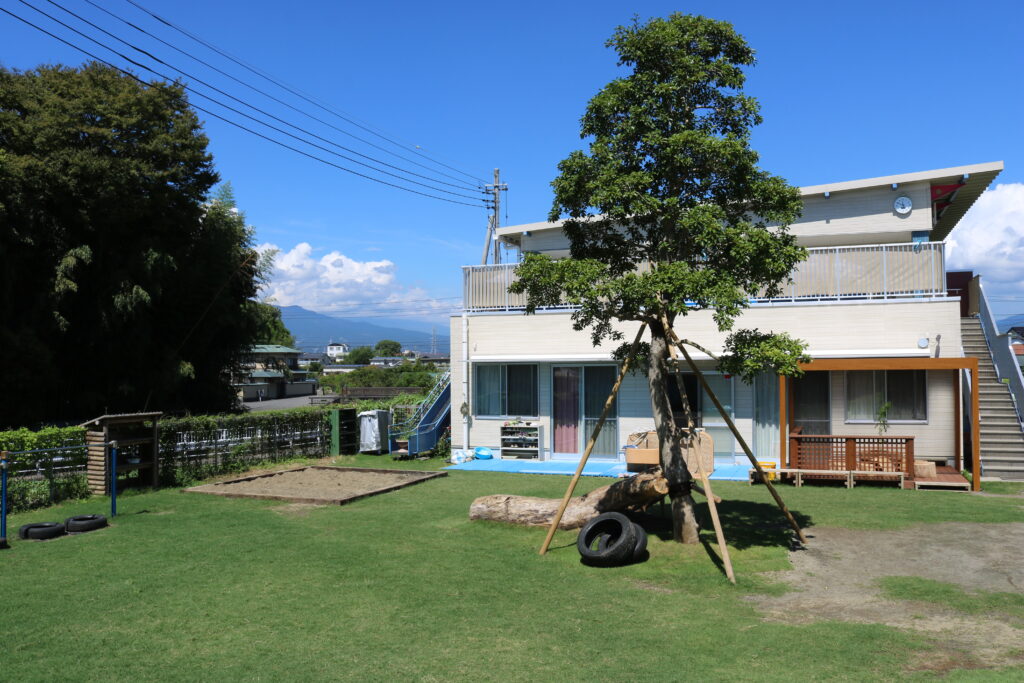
[483, 453]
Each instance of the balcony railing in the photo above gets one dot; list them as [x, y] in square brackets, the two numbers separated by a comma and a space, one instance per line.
[882, 271]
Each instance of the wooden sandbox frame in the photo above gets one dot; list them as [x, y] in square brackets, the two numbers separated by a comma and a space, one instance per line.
[414, 477]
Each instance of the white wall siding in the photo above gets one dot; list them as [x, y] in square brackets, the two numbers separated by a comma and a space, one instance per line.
[932, 441]
[863, 216]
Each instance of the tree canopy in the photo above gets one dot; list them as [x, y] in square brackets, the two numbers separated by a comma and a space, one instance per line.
[124, 285]
[668, 212]
[360, 355]
[388, 347]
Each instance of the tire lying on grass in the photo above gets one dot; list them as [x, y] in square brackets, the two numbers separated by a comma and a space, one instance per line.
[41, 531]
[83, 523]
[608, 540]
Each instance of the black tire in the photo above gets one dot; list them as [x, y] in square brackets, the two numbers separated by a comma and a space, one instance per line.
[83, 523]
[607, 540]
[640, 549]
[41, 531]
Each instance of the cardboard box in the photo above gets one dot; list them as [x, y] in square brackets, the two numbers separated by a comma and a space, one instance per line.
[645, 451]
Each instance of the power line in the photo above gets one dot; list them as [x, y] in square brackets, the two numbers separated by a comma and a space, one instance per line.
[222, 118]
[283, 86]
[278, 100]
[241, 113]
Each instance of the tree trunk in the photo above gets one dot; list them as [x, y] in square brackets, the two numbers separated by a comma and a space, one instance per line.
[640, 490]
[684, 520]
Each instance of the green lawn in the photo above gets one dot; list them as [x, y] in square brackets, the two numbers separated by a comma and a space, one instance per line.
[403, 586]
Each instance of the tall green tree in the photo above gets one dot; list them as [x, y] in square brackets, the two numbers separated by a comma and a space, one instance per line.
[669, 214]
[388, 347]
[124, 285]
[360, 355]
[271, 328]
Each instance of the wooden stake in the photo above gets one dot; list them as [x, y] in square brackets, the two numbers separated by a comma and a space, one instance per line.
[593, 440]
[719, 534]
[739, 437]
[723, 549]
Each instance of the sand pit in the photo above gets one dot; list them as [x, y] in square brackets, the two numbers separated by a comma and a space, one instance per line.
[317, 485]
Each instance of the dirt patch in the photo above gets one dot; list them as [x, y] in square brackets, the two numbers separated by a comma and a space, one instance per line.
[837, 578]
[317, 485]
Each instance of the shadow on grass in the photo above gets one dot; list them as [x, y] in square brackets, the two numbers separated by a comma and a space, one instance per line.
[746, 524]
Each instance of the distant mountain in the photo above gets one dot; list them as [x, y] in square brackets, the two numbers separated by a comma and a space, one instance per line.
[313, 331]
[1012, 321]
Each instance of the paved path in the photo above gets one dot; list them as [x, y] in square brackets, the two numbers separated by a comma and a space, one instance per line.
[278, 403]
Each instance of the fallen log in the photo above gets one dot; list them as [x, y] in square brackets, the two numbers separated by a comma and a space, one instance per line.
[638, 491]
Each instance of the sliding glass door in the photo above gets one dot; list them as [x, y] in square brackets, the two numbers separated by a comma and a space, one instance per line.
[578, 397]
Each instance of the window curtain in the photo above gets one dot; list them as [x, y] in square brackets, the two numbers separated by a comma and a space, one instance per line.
[906, 389]
[766, 417]
[597, 384]
[864, 392]
[487, 391]
[522, 390]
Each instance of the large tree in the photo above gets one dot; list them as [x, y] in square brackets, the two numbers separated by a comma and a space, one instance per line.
[124, 285]
[668, 214]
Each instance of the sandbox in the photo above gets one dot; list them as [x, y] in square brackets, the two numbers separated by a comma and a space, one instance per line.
[317, 485]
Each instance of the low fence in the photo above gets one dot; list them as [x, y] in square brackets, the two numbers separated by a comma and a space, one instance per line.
[49, 466]
[892, 454]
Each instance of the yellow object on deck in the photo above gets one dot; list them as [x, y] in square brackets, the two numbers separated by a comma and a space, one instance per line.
[769, 468]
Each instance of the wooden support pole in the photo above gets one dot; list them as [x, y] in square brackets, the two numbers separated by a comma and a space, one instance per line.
[975, 427]
[784, 456]
[723, 549]
[739, 437]
[719, 534]
[593, 440]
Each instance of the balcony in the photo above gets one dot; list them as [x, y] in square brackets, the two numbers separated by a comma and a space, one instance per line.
[882, 271]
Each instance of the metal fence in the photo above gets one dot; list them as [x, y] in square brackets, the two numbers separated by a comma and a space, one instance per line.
[878, 271]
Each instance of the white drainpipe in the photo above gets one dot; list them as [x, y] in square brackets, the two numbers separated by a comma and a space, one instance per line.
[465, 381]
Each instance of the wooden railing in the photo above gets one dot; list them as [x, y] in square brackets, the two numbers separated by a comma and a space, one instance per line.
[852, 453]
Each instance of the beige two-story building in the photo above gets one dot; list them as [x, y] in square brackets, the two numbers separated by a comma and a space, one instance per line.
[884, 323]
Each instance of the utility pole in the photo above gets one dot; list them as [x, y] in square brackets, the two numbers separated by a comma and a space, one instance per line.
[495, 220]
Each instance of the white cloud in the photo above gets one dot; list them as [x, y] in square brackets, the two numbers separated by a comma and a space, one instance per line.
[990, 241]
[338, 285]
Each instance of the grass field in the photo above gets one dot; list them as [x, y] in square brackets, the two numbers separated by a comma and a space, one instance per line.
[403, 586]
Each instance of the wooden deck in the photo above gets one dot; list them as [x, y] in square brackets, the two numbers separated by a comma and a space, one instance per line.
[945, 478]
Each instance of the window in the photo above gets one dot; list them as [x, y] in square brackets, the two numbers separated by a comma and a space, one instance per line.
[868, 390]
[505, 390]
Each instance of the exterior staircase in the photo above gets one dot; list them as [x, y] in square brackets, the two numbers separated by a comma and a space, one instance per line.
[1002, 438]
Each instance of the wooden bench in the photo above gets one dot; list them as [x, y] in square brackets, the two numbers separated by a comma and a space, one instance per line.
[850, 476]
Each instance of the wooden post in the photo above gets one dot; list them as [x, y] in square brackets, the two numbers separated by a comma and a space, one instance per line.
[851, 453]
[958, 428]
[795, 459]
[593, 440]
[723, 549]
[784, 456]
[908, 459]
[739, 437]
[975, 427]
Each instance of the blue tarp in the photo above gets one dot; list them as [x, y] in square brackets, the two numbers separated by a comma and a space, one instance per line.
[594, 468]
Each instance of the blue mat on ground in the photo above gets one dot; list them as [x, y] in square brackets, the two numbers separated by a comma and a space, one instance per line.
[593, 468]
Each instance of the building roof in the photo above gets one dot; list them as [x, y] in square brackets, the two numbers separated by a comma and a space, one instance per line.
[954, 191]
[273, 348]
[266, 374]
[971, 180]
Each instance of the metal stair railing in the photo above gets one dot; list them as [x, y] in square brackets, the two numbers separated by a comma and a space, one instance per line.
[1003, 358]
[407, 427]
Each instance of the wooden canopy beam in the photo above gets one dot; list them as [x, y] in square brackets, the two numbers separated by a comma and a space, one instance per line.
[895, 363]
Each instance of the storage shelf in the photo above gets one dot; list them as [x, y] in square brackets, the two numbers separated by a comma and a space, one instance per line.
[521, 441]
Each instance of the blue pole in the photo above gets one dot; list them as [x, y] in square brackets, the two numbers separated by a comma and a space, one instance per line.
[113, 479]
[3, 501]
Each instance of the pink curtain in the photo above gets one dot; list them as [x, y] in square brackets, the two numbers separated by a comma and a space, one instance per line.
[566, 409]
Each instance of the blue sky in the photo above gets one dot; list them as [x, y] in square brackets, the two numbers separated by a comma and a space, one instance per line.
[848, 90]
